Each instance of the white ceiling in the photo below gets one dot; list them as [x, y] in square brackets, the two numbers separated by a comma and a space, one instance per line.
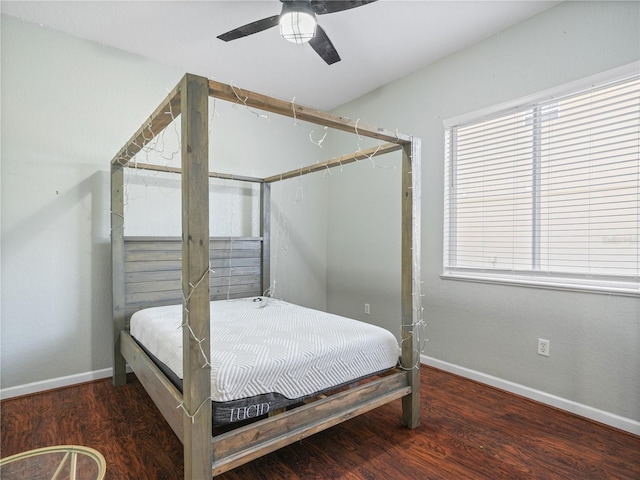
[378, 42]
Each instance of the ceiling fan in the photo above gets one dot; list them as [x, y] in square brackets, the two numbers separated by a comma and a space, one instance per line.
[298, 24]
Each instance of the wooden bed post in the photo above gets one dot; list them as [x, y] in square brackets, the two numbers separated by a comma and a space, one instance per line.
[117, 263]
[411, 278]
[265, 233]
[195, 278]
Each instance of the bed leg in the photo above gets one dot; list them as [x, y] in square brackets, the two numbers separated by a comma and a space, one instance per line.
[411, 402]
[119, 365]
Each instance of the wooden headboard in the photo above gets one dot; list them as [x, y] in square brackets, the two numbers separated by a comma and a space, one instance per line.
[153, 269]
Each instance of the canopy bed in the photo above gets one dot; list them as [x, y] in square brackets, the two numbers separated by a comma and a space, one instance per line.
[209, 277]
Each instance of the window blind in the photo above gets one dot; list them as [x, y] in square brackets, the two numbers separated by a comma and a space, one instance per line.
[548, 190]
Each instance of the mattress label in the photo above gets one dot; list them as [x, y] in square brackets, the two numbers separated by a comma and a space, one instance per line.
[251, 411]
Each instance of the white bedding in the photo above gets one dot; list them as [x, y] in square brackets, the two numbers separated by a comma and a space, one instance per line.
[271, 346]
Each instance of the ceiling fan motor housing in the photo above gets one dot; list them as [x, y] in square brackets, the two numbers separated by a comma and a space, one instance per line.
[297, 21]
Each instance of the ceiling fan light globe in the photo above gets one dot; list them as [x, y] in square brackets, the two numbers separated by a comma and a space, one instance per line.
[297, 27]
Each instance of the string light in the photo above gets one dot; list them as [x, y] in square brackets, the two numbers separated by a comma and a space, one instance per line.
[118, 227]
[243, 101]
[293, 109]
[299, 191]
[195, 414]
[296, 123]
[186, 323]
[230, 248]
[375, 152]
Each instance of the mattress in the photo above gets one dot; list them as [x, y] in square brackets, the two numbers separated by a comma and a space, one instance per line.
[267, 353]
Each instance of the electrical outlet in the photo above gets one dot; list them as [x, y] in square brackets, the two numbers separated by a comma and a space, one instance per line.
[367, 309]
[543, 347]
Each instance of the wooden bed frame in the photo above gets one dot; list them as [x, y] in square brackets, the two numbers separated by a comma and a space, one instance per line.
[135, 287]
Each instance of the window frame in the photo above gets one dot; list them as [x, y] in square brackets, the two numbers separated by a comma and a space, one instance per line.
[529, 278]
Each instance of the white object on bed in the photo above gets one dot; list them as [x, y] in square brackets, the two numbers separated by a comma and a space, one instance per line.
[271, 346]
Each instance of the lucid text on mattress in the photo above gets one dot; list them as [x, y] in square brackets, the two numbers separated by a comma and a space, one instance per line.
[251, 411]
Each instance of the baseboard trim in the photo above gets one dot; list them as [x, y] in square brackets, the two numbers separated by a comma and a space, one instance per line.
[37, 387]
[601, 416]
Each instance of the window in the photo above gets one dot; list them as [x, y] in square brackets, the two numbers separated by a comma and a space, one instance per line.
[548, 194]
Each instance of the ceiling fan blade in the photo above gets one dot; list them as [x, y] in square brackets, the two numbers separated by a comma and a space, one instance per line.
[323, 46]
[322, 7]
[250, 28]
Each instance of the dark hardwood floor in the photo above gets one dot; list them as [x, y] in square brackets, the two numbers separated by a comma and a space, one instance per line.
[468, 431]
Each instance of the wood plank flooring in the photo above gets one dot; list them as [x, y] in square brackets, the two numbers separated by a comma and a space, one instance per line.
[468, 431]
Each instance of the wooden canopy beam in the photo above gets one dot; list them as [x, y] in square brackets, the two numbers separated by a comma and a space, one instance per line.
[178, 170]
[335, 162]
[166, 112]
[300, 112]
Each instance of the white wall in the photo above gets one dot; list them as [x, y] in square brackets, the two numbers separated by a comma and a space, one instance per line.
[489, 329]
[68, 106]
[364, 241]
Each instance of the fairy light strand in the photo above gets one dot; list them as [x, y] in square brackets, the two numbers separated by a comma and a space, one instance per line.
[244, 100]
[231, 217]
[186, 299]
[296, 123]
[195, 414]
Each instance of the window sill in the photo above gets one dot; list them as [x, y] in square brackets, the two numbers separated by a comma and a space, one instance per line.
[606, 287]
